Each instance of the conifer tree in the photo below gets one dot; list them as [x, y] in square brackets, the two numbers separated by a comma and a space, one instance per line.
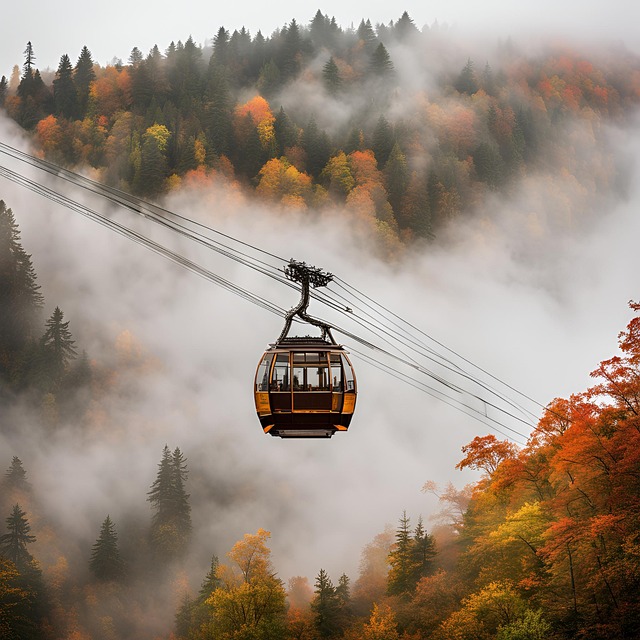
[20, 297]
[16, 477]
[382, 141]
[367, 35]
[325, 606]
[466, 81]
[401, 559]
[83, 76]
[380, 63]
[106, 563]
[396, 177]
[317, 146]
[65, 95]
[171, 522]
[57, 349]
[423, 552]
[13, 545]
[4, 86]
[331, 78]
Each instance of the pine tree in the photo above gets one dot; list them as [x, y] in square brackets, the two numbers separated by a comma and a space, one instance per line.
[4, 87]
[217, 113]
[382, 142]
[423, 552]
[182, 508]
[401, 559]
[367, 35]
[57, 350]
[331, 78]
[16, 477]
[317, 147]
[65, 95]
[20, 297]
[396, 175]
[405, 27]
[380, 63]
[171, 522]
[466, 81]
[83, 76]
[13, 545]
[325, 606]
[106, 563]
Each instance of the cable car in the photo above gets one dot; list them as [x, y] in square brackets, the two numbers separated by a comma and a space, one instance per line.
[305, 387]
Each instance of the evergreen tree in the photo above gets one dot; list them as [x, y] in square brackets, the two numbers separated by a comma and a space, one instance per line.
[380, 63]
[106, 563]
[150, 176]
[57, 349]
[32, 92]
[405, 27]
[83, 76]
[489, 164]
[382, 141]
[217, 114]
[290, 58]
[20, 297]
[16, 477]
[171, 522]
[4, 87]
[399, 581]
[423, 552]
[325, 606]
[343, 596]
[65, 95]
[331, 78]
[182, 508]
[466, 81]
[367, 35]
[396, 175]
[13, 545]
[221, 47]
[317, 147]
[285, 132]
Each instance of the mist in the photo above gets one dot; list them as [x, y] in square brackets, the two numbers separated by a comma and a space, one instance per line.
[533, 288]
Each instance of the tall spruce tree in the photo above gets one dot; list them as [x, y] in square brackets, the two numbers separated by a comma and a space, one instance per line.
[65, 94]
[20, 297]
[13, 545]
[325, 606]
[171, 522]
[16, 477]
[399, 581]
[331, 78]
[57, 350]
[423, 552]
[106, 564]
[83, 76]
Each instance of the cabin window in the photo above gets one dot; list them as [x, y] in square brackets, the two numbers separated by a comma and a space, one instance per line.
[280, 375]
[262, 378]
[350, 383]
[336, 373]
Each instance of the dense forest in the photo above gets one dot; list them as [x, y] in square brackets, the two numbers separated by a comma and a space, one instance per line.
[397, 126]
[405, 132]
[544, 545]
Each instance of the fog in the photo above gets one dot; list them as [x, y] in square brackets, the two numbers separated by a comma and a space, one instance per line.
[533, 288]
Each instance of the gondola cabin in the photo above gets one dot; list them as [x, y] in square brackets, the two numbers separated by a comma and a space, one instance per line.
[305, 388]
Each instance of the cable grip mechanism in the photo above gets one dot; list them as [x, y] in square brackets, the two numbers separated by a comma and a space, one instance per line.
[308, 276]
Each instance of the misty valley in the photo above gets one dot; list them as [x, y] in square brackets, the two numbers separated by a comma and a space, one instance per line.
[485, 189]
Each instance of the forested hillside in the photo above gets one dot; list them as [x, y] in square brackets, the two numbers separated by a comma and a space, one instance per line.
[402, 127]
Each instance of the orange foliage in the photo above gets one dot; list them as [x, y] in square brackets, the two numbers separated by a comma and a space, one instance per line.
[111, 91]
[49, 134]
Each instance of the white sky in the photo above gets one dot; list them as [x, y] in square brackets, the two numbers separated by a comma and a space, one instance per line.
[114, 28]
